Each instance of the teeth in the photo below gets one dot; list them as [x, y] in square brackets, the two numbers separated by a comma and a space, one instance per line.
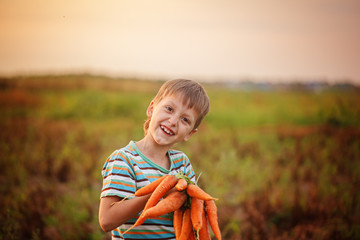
[166, 130]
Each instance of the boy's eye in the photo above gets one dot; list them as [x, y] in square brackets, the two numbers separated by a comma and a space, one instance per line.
[168, 108]
[186, 120]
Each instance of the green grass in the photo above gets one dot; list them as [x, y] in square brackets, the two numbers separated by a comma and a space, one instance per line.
[283, 164]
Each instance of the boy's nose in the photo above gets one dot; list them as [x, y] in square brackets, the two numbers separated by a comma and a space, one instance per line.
[173, 120]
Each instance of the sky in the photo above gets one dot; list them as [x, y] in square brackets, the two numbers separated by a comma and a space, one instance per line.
[260, 40]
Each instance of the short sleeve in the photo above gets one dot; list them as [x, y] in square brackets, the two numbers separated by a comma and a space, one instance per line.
[118, 176]
[188, 169]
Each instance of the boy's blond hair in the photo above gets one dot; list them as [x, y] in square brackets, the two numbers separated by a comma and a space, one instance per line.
[193, 94]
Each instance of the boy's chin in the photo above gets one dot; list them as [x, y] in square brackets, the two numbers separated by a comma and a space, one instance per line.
[164, 141]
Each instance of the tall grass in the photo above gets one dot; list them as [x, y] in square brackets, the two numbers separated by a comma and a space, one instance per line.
[284, 164]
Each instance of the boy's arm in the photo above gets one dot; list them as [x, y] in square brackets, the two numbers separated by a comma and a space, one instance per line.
[113, 215]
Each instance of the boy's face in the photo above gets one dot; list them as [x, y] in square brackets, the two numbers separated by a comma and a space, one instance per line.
[171, 121]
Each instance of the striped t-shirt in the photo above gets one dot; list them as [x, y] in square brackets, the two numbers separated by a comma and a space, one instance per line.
[127, 170]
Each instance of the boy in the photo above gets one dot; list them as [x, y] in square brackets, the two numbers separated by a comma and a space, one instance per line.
[173, 116]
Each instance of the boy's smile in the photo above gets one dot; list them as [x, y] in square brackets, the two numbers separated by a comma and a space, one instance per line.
[167, 130]
[171, 121]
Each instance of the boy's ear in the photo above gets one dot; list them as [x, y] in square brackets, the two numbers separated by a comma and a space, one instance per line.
[187, 137]
[150, 109]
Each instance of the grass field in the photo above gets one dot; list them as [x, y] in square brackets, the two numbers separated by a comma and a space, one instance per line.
[285, 164]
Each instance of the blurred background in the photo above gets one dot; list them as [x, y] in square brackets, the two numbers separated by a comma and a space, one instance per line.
[280, 147]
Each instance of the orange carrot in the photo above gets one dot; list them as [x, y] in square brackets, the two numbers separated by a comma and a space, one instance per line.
[186, 228]
[144, 190]
[211, 212]
[170, 203]
[192, 235]
[178, 216]
[204, 233]
[165, 185]
[181, 185]
[196, 192]
[197, 209]
[150, 187]
[168, 183]
[141, 219]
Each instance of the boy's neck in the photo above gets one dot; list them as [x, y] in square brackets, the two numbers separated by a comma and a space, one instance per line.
[155, 152]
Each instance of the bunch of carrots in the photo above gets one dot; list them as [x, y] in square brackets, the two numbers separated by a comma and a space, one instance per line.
[194, 209]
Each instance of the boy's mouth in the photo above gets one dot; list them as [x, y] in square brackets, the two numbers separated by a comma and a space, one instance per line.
[167, 130]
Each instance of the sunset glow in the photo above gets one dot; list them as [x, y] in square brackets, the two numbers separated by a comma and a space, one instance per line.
[229, 40]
